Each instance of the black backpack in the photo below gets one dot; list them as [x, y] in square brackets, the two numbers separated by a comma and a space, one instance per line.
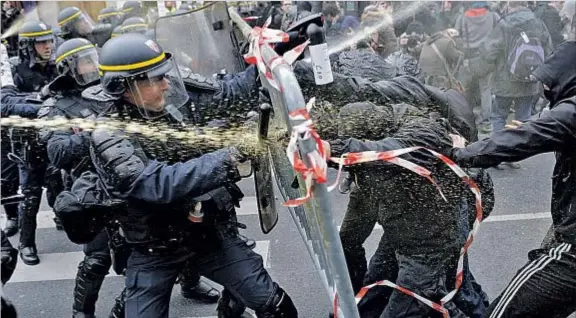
[525, 52]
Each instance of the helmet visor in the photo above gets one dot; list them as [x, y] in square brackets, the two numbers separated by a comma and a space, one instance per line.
[159, 91]
[84, 66]
[79, 22]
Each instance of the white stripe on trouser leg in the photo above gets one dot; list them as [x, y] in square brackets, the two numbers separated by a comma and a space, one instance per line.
[527, 272]
[521, 277]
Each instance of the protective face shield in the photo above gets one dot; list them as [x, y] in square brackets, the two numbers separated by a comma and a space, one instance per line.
[158, 91]
[80, 23]
[82, 66]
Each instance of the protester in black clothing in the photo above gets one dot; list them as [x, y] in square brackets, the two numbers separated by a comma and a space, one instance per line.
[546, 285]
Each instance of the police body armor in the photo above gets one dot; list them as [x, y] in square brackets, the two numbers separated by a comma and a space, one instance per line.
[91, 103]
[173, 229]
[28, 80]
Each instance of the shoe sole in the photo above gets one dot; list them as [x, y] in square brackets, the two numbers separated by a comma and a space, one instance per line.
[30, 263]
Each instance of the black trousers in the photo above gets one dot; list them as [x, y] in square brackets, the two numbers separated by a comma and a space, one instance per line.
[544, 287]
[150, 278]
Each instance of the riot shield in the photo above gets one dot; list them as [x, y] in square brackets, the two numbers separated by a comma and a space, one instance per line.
[201, 40]
[313, 219]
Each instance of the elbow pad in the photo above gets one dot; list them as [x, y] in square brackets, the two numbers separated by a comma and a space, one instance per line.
[116, 159]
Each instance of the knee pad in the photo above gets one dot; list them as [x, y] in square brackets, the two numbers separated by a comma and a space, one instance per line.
[229, 306]
[280, 306]
[96, 265]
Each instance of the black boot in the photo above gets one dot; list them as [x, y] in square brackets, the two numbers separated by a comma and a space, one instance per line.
[280, 306]
[230, 307]
[11, 227]
[28, 225]
[29, 255]
[89, 279]
[201, 291]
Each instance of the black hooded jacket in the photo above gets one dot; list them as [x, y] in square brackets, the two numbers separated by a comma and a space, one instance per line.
[553, 130]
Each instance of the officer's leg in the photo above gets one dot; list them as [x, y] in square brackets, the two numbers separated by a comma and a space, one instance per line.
[241, 271]
[91, 273]
[192, 287]
[358, 223]
[10, 188]
[149, 283]
[32, 179]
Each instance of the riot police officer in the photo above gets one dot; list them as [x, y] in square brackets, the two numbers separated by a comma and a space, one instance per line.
[134, 25]
[36, 57]
[148, 86]
[75, 23]
[77, 97]
[34, 70]
[77, 62]
[110, 15]
[132, 9]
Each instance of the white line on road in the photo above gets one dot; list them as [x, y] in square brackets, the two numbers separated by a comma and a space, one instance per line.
[248, 206]
[61, 266]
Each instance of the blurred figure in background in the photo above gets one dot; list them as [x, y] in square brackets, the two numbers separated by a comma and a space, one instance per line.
[440, 59]
[547, 12]
[383, 41]
[475, 25]
[405, 59]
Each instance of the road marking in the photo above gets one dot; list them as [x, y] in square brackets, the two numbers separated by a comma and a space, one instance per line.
[248, 206]
[63, 266]
[501, 218]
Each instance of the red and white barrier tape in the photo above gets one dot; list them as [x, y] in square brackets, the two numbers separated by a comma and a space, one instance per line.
[264, 36]
[318, 171]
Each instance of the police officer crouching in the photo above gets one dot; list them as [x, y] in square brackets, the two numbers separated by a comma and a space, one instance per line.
[195, 196]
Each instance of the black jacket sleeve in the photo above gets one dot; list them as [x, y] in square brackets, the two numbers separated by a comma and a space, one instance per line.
[14, 103]
[554, 130]
[163, 183]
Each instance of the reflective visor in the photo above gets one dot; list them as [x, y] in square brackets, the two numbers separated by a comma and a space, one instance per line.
[159, 91]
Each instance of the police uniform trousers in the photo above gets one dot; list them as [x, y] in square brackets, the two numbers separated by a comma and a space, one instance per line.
[151, 274]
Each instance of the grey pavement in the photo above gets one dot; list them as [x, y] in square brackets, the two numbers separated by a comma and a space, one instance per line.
[498, 252]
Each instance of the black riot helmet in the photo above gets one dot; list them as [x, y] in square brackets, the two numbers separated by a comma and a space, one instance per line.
[110, 15]
[36, 42]
[132, 9]
[137, 69]
[77, 58]
[134, 25]
[74, 23]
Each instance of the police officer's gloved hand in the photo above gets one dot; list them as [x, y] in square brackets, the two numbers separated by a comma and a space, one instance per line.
[44, 93]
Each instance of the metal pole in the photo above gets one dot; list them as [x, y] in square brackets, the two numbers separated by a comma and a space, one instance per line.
[321, 201]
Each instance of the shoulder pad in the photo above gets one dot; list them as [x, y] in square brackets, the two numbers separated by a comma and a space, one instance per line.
[96, 93]
[198, 81]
